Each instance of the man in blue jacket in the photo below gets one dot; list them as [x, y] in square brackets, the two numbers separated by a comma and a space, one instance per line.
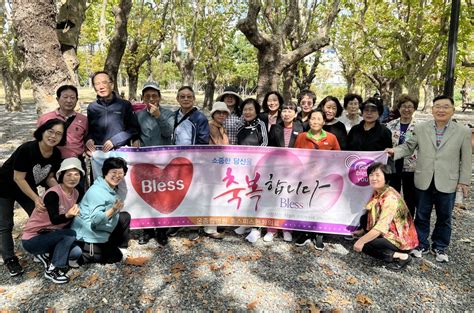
[112, 123]
[190, 125]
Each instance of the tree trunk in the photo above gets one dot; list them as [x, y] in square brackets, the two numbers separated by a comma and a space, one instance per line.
[209, 91]
[132, 84]
[397, 90]
[429, 94]
[413, 87]
[102, 27]
[119, 40]
[12, 92]
[288, 77]
[70, 18]
[39, 42]
[268, 78]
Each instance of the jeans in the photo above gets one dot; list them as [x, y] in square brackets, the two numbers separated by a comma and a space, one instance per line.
[6, 221]
[58, 243]
[380, 248]
[405, 180]
[443, 204]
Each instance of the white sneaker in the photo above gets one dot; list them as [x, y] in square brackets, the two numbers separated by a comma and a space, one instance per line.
[254, 235]
[287, 236]
[419, 252]
[242, 230]
[73, 264]
[441, 256]
[268, 236]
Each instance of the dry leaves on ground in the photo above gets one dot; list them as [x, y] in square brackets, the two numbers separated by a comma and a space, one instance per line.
[91, 280]
[252, 305]
[137, 261]
[364, 300]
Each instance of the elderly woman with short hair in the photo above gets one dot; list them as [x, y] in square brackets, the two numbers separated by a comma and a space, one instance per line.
[390, 233]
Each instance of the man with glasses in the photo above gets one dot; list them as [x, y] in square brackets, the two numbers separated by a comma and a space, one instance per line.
[156, 125]
[443, 165]
[112, 123]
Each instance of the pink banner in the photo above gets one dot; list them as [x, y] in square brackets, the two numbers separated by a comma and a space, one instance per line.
[297, 189]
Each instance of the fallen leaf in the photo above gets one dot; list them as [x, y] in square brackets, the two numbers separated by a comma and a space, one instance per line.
[364, 300]
[252, 305]
[137, 261]
[32, 274]
[74, 275]
[50, 310]
[2, 290]
[89, 310]
[168, 279]
[178, 267]
[427, 299]
[424, 267]
[327, 271]
[352, 280]
[91, 280]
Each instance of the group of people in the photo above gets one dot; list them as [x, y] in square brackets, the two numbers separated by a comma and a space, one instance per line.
[71, 225]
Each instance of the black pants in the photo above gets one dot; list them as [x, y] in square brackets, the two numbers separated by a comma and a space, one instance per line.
[6, 221]
[407, 181]
[109, 251]
[382, 249]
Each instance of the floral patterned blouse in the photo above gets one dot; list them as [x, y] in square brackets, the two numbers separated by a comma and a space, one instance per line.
[388, 213]
[409, 163]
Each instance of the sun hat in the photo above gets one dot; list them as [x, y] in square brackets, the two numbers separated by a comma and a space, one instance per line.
[152, 85]
[68, 164]
[219, 106]
[229, 90]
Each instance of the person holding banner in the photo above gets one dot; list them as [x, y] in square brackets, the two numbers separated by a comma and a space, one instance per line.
[156, 129]
[315, 138]
[390, 231]
[34, 163]
[218, 136]
[101, 228]
[252, 133]
[284, 134]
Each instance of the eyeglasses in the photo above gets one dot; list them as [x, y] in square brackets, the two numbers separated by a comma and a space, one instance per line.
[116, 173]
[407, 107]
[184, 97]
[52, 133]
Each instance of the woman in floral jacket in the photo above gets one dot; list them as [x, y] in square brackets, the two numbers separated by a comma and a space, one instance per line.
[403, 129]
[391, 233]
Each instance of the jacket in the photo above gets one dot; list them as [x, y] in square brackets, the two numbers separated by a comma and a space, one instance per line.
[92, 225]
[155, 131]
[113, 121]
[276, 136]
[329, 142]
[448, 165]
[190, 130]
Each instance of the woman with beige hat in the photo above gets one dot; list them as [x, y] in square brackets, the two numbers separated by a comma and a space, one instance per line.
[217, 136]
[46, 234]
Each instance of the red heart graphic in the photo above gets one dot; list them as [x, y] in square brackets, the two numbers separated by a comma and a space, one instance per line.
[163, 189]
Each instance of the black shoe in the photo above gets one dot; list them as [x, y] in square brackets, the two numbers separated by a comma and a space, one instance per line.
[162, 239]
[57, 276]
[143, 239]
[194, 236]
[303, 240]
[14, 267]
[398, 265]
[43, 259]
[318, 242]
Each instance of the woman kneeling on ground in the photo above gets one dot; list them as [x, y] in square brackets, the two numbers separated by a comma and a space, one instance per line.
[101, 229]
[46, 233]
[391, 232]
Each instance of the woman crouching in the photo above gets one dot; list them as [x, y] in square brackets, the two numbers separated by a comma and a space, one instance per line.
[46, 234]
[101, 229]
[391, 231]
